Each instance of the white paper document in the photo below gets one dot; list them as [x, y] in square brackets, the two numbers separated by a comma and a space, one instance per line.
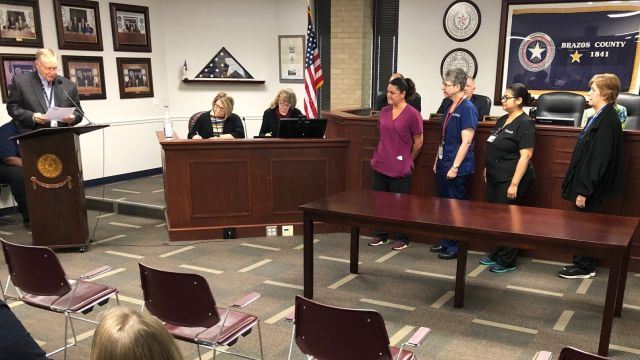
[58, 113]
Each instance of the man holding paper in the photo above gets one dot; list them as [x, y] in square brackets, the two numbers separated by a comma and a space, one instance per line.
[38, 99]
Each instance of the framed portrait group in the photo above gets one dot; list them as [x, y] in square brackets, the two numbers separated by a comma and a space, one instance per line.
[78, 28]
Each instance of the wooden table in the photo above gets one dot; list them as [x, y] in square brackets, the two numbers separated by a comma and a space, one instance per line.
[605, 237]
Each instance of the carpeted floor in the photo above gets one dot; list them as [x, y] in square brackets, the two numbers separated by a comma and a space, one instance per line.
[506, 316]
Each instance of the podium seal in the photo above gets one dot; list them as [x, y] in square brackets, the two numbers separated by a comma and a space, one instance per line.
[49, 166]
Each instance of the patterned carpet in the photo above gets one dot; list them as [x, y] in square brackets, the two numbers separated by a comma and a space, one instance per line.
[506, 316]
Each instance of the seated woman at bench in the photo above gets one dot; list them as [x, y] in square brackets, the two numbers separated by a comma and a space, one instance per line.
[220, 122]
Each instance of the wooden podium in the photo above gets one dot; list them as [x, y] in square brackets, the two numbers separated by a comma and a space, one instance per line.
[52, 169]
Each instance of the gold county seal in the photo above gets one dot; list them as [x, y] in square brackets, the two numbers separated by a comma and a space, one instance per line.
[49, 165]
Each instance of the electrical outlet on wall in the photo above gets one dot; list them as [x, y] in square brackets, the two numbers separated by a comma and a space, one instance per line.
[272, 230]
[287, 230]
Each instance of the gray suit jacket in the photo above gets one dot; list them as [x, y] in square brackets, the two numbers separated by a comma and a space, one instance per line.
[26, 97]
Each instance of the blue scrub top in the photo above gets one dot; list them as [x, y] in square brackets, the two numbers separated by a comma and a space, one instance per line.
[465, 116]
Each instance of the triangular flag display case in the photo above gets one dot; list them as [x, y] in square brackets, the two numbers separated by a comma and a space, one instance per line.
[223, 67]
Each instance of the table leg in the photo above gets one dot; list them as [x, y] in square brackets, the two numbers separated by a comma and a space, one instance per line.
[609, 307]
[622, 283]
[461, 273]
[355, 249]
[308, 255]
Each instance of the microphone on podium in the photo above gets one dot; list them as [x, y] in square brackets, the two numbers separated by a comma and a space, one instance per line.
[59, 82]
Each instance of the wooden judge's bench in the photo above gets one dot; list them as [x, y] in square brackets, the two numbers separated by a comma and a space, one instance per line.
[248, 184]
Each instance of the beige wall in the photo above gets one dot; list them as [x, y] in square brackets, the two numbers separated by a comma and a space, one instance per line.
[351, 47]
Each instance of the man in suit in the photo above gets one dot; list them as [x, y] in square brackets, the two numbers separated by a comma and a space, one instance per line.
[32, 94]
[469, 90]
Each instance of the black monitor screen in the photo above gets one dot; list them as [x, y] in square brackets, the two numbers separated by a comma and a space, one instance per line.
[301, 128]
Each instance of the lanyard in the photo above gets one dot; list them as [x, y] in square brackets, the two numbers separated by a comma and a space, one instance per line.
[448, 116]
[48, 98]
[591, 121]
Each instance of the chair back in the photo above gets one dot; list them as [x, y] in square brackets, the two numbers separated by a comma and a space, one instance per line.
[487, 101]
[632, 103]
[193, 118]
[561, 105]
[570, 353]
[178, 298]
[35, 270]
[327, 332]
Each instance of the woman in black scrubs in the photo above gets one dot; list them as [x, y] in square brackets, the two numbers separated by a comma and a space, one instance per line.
[508, 172]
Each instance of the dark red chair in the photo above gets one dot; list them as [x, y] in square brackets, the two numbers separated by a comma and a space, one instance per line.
[569, 353]
[40, 281]
[328, 332]
[185, 304]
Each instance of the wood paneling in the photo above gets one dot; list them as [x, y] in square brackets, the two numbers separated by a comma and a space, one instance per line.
[246, 183]
[219, 188]
[297, 181]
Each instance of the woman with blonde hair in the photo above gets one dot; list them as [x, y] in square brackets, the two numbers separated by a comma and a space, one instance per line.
[128, 334]
[596, 170]
[282, 107]
[220, 122]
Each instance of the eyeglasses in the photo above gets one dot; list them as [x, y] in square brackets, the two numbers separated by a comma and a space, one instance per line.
[506, 98]
[447, 85]
[283, 104]
[217, 107]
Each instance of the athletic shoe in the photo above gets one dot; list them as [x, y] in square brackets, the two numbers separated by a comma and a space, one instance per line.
[501, 269]
[576, 273]
[487, 261]
[399, 245]
[379, 241]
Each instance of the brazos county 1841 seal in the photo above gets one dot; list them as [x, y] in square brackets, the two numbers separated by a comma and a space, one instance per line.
[536, 52]
[49, 165]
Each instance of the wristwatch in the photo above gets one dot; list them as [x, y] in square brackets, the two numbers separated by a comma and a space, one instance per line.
[455, 167]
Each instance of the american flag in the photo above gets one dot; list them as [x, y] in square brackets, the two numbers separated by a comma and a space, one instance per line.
[312, 71]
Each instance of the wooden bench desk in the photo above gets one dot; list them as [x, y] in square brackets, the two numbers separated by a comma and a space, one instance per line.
[605, 237]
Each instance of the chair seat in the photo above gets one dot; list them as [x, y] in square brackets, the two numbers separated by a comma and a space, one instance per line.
[85, 295]
[405, 355]
[237, 323]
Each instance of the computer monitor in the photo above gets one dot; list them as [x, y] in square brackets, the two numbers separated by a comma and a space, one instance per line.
[553, 120]
[301, 128]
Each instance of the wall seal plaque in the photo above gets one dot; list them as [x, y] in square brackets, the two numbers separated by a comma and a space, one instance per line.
[49, 166]
[460, 58]
[461, 20]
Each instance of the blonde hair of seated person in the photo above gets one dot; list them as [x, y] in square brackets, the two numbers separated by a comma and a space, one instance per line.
[125, 334]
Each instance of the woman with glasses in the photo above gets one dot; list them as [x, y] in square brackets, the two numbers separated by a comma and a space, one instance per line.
[508, 172]
[282, 107]
[596, 170]
[400, 142]
[454, 161]
[220, 122]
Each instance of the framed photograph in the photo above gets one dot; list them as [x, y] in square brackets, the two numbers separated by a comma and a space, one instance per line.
[460, 58]
[78, 24]
[134, 77]
[20, 23]
[87, 72]
[461, 20]
[130, 27]
[291, 55]
[13, 65]
[560, 45]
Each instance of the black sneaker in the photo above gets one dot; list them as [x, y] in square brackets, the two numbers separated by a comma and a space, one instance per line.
[26, 224]
[576, 273]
